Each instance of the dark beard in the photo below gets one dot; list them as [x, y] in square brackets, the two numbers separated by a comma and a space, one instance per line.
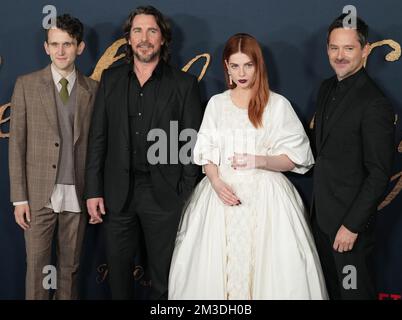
[147, 59]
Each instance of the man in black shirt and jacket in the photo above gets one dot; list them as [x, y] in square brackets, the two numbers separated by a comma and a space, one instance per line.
[354, 137]
[139, 194]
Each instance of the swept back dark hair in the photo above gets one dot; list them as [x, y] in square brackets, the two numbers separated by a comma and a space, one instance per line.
[71, 25]
[162, 23]
[361, 28]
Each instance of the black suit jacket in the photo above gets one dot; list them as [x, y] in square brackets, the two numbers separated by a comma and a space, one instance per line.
[108, 157]
[354, 156]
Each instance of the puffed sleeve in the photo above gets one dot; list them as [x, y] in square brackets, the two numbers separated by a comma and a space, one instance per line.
[207, 145]
[287, 135]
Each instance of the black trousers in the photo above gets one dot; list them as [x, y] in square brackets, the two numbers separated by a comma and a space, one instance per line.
[348, 275]
[141, 216]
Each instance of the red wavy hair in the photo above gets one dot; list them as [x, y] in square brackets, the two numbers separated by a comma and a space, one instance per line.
[247, 44]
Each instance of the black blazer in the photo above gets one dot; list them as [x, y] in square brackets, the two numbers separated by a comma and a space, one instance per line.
[108, 156]
[354, 156]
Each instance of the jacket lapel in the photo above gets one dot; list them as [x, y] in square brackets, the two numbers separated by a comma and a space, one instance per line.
[344, 104]
[48, 99]
[164, 93]
[83, 98]
[120, 91]
[320, 112]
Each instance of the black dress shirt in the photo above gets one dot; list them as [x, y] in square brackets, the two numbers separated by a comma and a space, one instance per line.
[141, 102]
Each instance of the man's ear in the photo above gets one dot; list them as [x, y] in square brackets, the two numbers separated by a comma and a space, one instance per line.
[46, 46]
[81, 48]
[366, 50]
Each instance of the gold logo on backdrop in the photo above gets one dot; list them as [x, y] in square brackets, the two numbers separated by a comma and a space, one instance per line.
[4, 120]
[138, 275]
[111, 56]
[392, 56]
[3, 109]
[108, 58]
[102, 273]
[397, 188]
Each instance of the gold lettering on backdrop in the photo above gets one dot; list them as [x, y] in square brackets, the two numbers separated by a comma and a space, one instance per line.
[392, 56]
[3, 109]
[204, 68]
[4, 120]
[397, 188]
[138, 274]
[102, 273]
[109, 57]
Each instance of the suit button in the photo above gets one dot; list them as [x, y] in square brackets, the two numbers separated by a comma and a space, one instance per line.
[54, 166]
[139, 114]
[56, 144]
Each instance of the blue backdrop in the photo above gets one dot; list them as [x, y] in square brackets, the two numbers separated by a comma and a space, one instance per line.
[293, 37]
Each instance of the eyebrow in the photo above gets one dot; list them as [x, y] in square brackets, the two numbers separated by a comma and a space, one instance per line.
[55, 42]
[140, 28]
[232, 63]
[346, 45]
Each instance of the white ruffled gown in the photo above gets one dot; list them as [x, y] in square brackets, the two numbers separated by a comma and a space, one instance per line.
[263, 248]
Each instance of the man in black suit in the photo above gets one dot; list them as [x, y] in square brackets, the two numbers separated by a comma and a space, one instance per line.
[354, 135]
[136, 101]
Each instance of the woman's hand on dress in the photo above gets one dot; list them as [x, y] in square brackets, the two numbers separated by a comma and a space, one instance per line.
[225, 193]
[244, 161]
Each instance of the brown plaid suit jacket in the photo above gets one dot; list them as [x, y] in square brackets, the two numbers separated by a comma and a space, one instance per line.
[35, 139]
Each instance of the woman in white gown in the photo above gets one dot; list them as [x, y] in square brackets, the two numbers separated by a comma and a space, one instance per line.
[243, 234]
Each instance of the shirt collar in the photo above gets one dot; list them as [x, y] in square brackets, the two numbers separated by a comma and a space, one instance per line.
[158, 70]
[57, 76]
[156, 74]
[347, 82]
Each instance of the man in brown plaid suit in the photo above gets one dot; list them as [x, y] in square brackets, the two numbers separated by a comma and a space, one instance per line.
[51, 111]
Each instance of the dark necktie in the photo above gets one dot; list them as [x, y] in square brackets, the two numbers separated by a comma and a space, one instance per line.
[64, 92]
